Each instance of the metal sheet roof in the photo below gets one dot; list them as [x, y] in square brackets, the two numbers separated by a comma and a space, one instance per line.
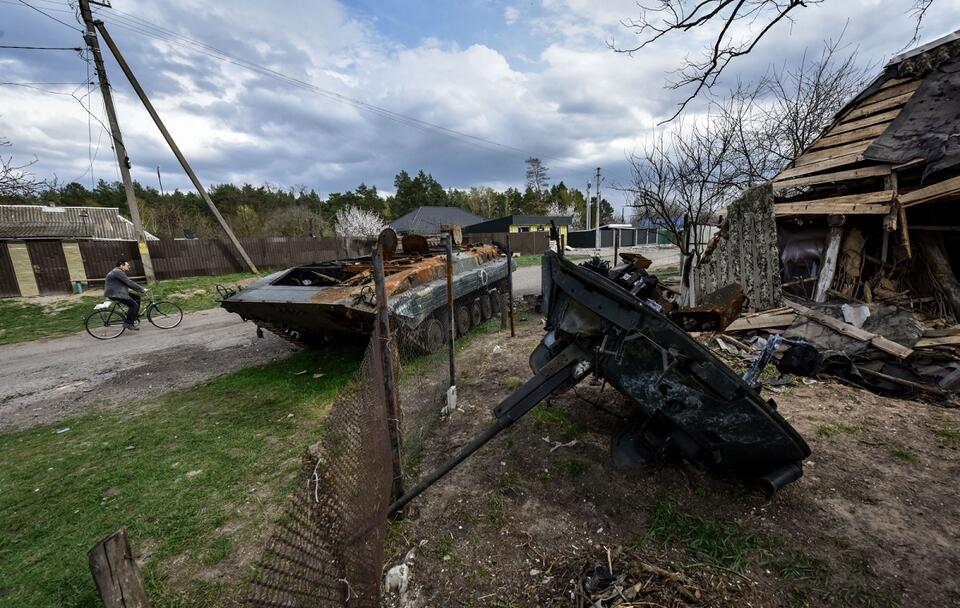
[41, 221]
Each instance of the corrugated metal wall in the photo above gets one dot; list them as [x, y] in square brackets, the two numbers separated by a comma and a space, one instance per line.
[520, 242]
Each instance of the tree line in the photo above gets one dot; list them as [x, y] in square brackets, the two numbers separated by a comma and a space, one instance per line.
[267, 210]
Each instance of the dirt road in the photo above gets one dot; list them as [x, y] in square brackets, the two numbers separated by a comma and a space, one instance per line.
[526, 280]
[48, 380]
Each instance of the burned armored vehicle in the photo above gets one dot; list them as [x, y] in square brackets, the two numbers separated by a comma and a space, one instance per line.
[314, 303]
[683, 402]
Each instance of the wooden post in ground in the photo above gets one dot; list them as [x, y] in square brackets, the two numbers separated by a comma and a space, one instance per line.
[116, 573]
[828, 266]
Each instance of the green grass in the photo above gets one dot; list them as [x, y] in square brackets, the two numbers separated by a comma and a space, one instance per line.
[948, 436]
[172, 470]
[23, 320]
[557, 423]
[714, 542]
[903, 454]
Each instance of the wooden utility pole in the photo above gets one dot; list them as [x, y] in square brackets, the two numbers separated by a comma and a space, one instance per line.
[173, 146]
[588, 225]
[90, 37]
[598, 210]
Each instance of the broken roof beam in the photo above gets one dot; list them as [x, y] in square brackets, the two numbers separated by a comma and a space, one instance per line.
[877, 341]
[870, 203]
[853, 125]
[850, 136]
[946, 188]
[829, 178]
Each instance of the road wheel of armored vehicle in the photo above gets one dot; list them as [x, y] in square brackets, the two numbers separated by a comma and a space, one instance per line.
[463, 320]
[476, 313]
[486, 310]
[432, 335]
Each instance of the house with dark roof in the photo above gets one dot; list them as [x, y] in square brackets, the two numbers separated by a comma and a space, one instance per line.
[521, 223]
[432, 220]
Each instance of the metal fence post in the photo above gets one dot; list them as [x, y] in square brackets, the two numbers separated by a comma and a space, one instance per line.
[385, 351]
[513, 330]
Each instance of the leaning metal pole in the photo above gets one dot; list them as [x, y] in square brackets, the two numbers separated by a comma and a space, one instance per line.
[513, 330]
[385, 356]
[173, 145]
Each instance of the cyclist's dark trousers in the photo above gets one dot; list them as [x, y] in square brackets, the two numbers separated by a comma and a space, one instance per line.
[133, 307]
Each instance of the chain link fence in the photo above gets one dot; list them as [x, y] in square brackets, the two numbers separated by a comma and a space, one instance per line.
[327, 546]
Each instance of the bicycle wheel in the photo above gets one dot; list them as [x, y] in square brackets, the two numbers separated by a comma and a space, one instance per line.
[105, 324]
[165, 315]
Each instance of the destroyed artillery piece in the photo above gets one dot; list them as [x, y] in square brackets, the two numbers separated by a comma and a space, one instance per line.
[684, 401]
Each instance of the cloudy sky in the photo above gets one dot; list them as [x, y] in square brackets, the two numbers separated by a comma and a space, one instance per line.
[464, 90]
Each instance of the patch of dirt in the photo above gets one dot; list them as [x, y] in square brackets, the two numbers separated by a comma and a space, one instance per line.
[522, 522]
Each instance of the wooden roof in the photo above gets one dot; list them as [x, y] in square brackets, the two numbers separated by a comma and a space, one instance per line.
[837, 155]
[834, 174]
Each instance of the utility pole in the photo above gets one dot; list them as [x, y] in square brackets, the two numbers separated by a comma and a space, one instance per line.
[598, 210]
[90, 37]
[588, 225]
[173, 146]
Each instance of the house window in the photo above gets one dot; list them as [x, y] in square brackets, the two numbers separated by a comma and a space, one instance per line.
[523, 229]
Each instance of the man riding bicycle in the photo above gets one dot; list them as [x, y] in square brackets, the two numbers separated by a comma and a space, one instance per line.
[117, 288]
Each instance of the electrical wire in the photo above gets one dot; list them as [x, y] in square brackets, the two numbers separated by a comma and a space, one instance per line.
[148, 28]
[48, 15]
[42, 48]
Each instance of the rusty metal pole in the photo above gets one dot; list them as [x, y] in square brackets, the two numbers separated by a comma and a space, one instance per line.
[513, 329]
[385, 352]
[452, 334]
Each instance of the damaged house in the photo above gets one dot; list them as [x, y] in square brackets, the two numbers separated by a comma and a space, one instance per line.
[866, 223]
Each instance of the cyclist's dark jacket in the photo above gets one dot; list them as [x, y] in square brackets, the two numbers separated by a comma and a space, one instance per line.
[118, 285]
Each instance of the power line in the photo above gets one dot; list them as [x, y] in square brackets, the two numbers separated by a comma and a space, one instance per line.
[49, 16]
[42, 48]
[148, 28]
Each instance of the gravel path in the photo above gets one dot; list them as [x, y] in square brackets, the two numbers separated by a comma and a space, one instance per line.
[45, 381]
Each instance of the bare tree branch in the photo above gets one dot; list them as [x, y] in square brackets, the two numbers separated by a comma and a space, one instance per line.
[740, 25]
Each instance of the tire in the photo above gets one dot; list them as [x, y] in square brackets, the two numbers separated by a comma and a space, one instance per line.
[165, 315]
[476, 313]
[432, 335]
[463, 320]
[105, 324]
[486, 310]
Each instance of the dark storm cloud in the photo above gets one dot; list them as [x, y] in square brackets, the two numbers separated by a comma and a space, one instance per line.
[568, 99]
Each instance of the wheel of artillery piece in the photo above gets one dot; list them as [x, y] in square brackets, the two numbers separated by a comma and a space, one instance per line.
[486, 310]
[432, 335]
[463, 320]
[476, 313]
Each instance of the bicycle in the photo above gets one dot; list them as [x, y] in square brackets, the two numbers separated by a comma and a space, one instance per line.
[107, 322]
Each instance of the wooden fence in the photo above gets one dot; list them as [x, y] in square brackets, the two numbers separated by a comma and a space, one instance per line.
[208, 257]
[520, 242]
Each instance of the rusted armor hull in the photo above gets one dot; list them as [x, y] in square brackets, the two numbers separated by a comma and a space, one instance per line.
[335, 299]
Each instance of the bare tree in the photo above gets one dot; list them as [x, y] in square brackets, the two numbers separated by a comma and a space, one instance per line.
[357, 222]
[682, 178]
[740, 25]
[537, 177]
[17, 183]
[773, 121]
